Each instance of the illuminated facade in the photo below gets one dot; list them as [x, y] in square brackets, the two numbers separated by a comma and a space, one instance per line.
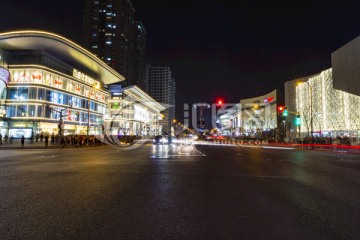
[253, 117]
[333, 113]
[52, 78]
[38, 94]
[229, 120]
[133, 112]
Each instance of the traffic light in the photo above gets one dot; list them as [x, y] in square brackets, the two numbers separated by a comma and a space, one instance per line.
[298, 120]
[219, 101]
[280, 109]
[285, 112]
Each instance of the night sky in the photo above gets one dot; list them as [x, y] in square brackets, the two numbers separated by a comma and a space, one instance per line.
[229, 48]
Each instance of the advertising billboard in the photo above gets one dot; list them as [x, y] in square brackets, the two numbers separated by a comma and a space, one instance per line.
[19, 132]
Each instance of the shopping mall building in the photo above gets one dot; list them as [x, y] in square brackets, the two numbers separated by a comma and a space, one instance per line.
[132, 112]
[328, 103]
[253, 117]
[46, 81]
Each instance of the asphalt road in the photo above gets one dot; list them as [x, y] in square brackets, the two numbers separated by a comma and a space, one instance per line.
[161, 192]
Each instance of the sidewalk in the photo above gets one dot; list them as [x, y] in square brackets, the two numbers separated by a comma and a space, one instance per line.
[35, 145]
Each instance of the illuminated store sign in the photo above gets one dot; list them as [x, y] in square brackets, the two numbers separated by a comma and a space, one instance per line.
[83, 77]
[269, 99]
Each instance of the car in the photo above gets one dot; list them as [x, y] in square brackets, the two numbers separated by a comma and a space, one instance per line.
[160, 140]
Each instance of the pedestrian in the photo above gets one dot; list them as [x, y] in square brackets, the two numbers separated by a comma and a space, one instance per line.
[41, 137]
[52, 138]
[0, 138]
[6, 138]
[22, 141]
[46, 140]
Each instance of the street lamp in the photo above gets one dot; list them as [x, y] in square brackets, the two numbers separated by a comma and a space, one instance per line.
[311, 106]
[173, 124]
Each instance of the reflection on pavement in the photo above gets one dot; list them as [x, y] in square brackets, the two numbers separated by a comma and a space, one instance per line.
[175, 151]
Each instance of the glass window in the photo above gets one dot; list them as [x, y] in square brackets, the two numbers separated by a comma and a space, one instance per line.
[32, 110]
[48, 112]
[32, 93]
[92, 118]
[74, 115]
[41, 94]
[40, 111]
[55, 115]
[55, 97]
[92, 106]
[60, 98]
[83, 117]
[11, 110]
[65, 99]
[74, 101]
[22, 111]
[49, 95]
[23, 93]
[77, 102]
[83, 103]
[12, 93]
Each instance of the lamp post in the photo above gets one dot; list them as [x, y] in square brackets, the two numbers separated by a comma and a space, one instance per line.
[311, 107]
[171, 127]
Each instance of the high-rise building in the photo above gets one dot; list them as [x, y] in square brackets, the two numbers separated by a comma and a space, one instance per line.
[109, 34]
[161, 86]
[139, 56]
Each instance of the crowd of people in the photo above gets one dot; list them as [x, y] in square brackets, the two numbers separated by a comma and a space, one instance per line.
[74, 140]
[56, 140]
[327, 140]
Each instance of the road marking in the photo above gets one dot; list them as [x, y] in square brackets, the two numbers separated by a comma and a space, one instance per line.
[187, 151]
[181, 153]
[249, 146]
[284, 148]
[48, 156]
[266, 147]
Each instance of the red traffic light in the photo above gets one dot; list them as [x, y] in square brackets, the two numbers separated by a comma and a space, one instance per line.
[281, 109]
[219, 101]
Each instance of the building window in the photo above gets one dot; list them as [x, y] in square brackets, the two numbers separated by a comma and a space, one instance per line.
[11, 110]
[22, 94]
[32, 110]
[22, 111]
